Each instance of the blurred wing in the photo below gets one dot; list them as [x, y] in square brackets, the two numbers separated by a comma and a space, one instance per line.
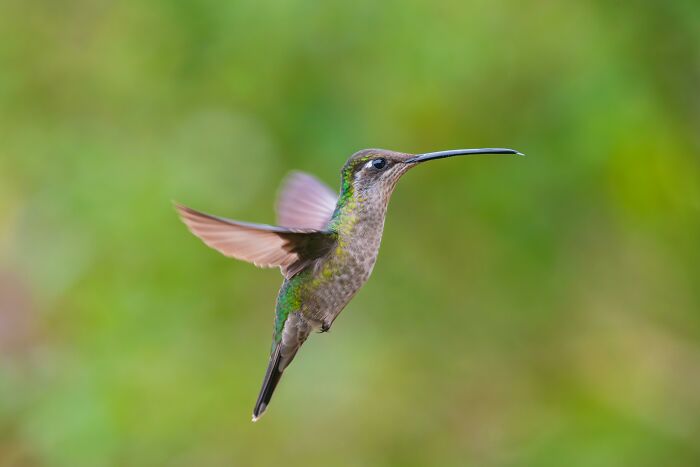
[265, 246]
[305, 202]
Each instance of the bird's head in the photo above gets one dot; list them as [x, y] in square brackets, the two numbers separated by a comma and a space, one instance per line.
[373, 173]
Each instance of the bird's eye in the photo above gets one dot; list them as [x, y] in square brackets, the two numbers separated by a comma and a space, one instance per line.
[379, 164]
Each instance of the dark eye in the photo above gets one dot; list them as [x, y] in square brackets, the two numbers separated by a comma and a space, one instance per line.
[379, 164]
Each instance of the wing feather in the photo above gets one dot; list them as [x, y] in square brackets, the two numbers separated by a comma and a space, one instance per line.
[305, 202]
[263, 245]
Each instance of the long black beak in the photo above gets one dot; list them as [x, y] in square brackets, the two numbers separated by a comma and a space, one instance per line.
[459, 152]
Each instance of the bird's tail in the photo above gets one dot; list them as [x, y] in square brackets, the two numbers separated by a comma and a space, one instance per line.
[296, 330]
[272, 377]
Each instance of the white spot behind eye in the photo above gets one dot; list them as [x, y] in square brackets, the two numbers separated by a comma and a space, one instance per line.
[368, 165]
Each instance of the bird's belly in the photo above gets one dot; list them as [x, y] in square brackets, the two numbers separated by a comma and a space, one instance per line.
[335, 284]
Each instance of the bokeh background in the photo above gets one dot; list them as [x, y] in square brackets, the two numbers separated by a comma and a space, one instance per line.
[538, 311]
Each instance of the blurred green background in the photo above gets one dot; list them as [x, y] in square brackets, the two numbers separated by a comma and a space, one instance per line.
[538, 311]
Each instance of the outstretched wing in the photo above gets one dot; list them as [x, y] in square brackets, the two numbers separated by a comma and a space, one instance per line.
[263, 245]
[305, 202]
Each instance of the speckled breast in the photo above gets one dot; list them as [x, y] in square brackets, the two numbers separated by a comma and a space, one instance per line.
[339, 276]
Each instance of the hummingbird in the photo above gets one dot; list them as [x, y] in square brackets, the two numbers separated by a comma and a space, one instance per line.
[325, 244]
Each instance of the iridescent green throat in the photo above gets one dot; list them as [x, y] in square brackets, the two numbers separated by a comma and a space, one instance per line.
[347, 201]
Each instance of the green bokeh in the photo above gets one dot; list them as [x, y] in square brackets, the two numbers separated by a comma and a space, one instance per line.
[539, 311]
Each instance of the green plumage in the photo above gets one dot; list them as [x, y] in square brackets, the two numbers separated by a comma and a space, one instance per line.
[288, 301]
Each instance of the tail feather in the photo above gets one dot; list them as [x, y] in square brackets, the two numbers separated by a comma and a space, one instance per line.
[296, 330]
[272, 377]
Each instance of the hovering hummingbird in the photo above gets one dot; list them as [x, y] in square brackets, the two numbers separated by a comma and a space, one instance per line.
[326, 245]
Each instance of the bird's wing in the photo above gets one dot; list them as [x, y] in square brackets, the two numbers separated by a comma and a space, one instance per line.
[265, 246]
[304, 202]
